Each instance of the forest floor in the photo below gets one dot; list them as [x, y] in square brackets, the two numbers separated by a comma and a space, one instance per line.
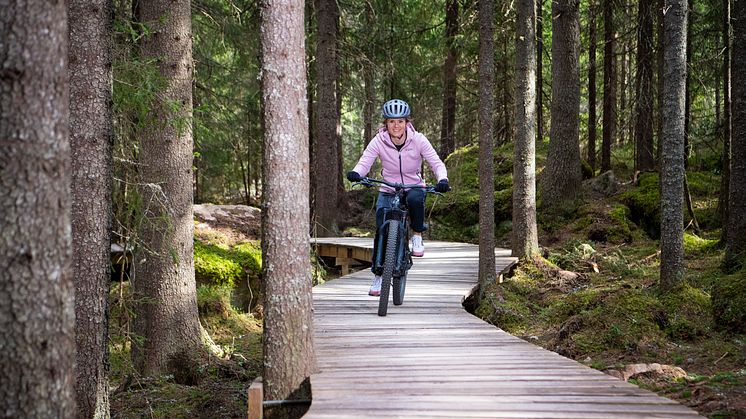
[218, 389]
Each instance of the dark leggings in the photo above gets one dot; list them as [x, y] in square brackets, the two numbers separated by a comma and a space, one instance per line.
[415, 202]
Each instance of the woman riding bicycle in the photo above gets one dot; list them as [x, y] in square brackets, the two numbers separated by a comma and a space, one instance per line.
[401, 150]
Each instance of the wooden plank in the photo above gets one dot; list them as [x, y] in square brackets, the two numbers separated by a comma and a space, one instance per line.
[256, 398]
[429, 358]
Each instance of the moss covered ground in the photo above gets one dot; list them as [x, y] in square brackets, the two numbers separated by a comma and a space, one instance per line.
[223, 265]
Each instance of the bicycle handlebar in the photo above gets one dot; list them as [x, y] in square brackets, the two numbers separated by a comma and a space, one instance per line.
[368, 182]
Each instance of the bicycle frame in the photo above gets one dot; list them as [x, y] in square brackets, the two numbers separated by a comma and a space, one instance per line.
[396, 211]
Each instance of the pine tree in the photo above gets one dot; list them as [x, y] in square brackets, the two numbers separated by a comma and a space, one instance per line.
[486, 130]
[165, 288]
[91, 144]
[736, 242]
[561, 177]
[37, 313]
[288, 325]
[672, 155]
[326, 141]
[525, 236]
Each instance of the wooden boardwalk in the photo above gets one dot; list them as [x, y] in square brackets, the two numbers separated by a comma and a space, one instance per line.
[430, 358]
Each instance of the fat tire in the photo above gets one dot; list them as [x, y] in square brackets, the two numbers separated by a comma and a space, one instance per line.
[399, 285]
[389, 262]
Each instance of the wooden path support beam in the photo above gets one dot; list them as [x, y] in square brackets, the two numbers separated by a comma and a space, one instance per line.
[256, 398]
[430, 358]
[345, 255]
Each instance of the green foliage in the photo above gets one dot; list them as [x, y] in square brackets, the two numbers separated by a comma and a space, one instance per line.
[687, 312]
[644, 204]
[218, 265]
[458, 211]
[729, 302]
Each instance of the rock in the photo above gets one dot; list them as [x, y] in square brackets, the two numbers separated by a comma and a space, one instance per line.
[653, 371]
[604, 184]
[243, 218]
[567, 275]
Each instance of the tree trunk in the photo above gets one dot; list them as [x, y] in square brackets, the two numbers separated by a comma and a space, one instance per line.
[672, 156]
[539, 71]
[326, 141]
[165, 289]
[622, 63]
[37, 313]
[91, 139]
[487, 268]
[288, 325]
[688, 89]
[661, 42]
[369, 78]
[525, 237]
[609, 117]
[561, 178]
[448, 123]
[736, 243]
[725, 173]
[644, 159]
[592, 85]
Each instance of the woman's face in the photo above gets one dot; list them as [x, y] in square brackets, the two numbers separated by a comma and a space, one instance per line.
[396, 126]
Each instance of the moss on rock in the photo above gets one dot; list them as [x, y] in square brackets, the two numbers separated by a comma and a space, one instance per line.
[644, 204]
[687, 313]
[223, 265]
[729, 302]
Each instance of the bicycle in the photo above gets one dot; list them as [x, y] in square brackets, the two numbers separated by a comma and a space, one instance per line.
[392, 257]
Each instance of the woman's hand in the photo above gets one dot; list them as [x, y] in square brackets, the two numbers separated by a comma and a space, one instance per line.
[354, 176]
[442, 186]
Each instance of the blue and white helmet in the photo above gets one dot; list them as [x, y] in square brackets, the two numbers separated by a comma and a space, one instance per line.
[395, 108]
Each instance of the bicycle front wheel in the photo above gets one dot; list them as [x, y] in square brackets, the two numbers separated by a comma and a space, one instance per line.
[399, 285]
[389, 262]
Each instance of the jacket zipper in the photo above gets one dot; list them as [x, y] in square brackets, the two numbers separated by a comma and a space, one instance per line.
[401, 172]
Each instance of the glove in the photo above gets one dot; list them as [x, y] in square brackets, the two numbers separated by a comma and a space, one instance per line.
[354, 176]
[442, 186]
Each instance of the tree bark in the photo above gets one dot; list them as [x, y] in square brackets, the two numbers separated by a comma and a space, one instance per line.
[487, 270]
[736, 243]
[609, 117]
[644, 158]
[672, 156]
[37, 313]
[561, 178]
[326, 141]
[448, 123]
[91, 138]
[288, 324]
[525, 237]
[688, 89]
[539, 71]
[661, 42]
[165, 290]
[592, 84]
[725, 173]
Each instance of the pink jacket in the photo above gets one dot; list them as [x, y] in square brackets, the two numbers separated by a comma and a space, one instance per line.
[401, 166]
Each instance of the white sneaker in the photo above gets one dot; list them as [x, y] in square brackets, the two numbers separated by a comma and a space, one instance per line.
[375, 287]
[418, 247]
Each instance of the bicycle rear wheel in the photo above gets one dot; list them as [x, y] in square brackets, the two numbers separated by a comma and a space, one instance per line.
[399, 285]
[389, 262]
